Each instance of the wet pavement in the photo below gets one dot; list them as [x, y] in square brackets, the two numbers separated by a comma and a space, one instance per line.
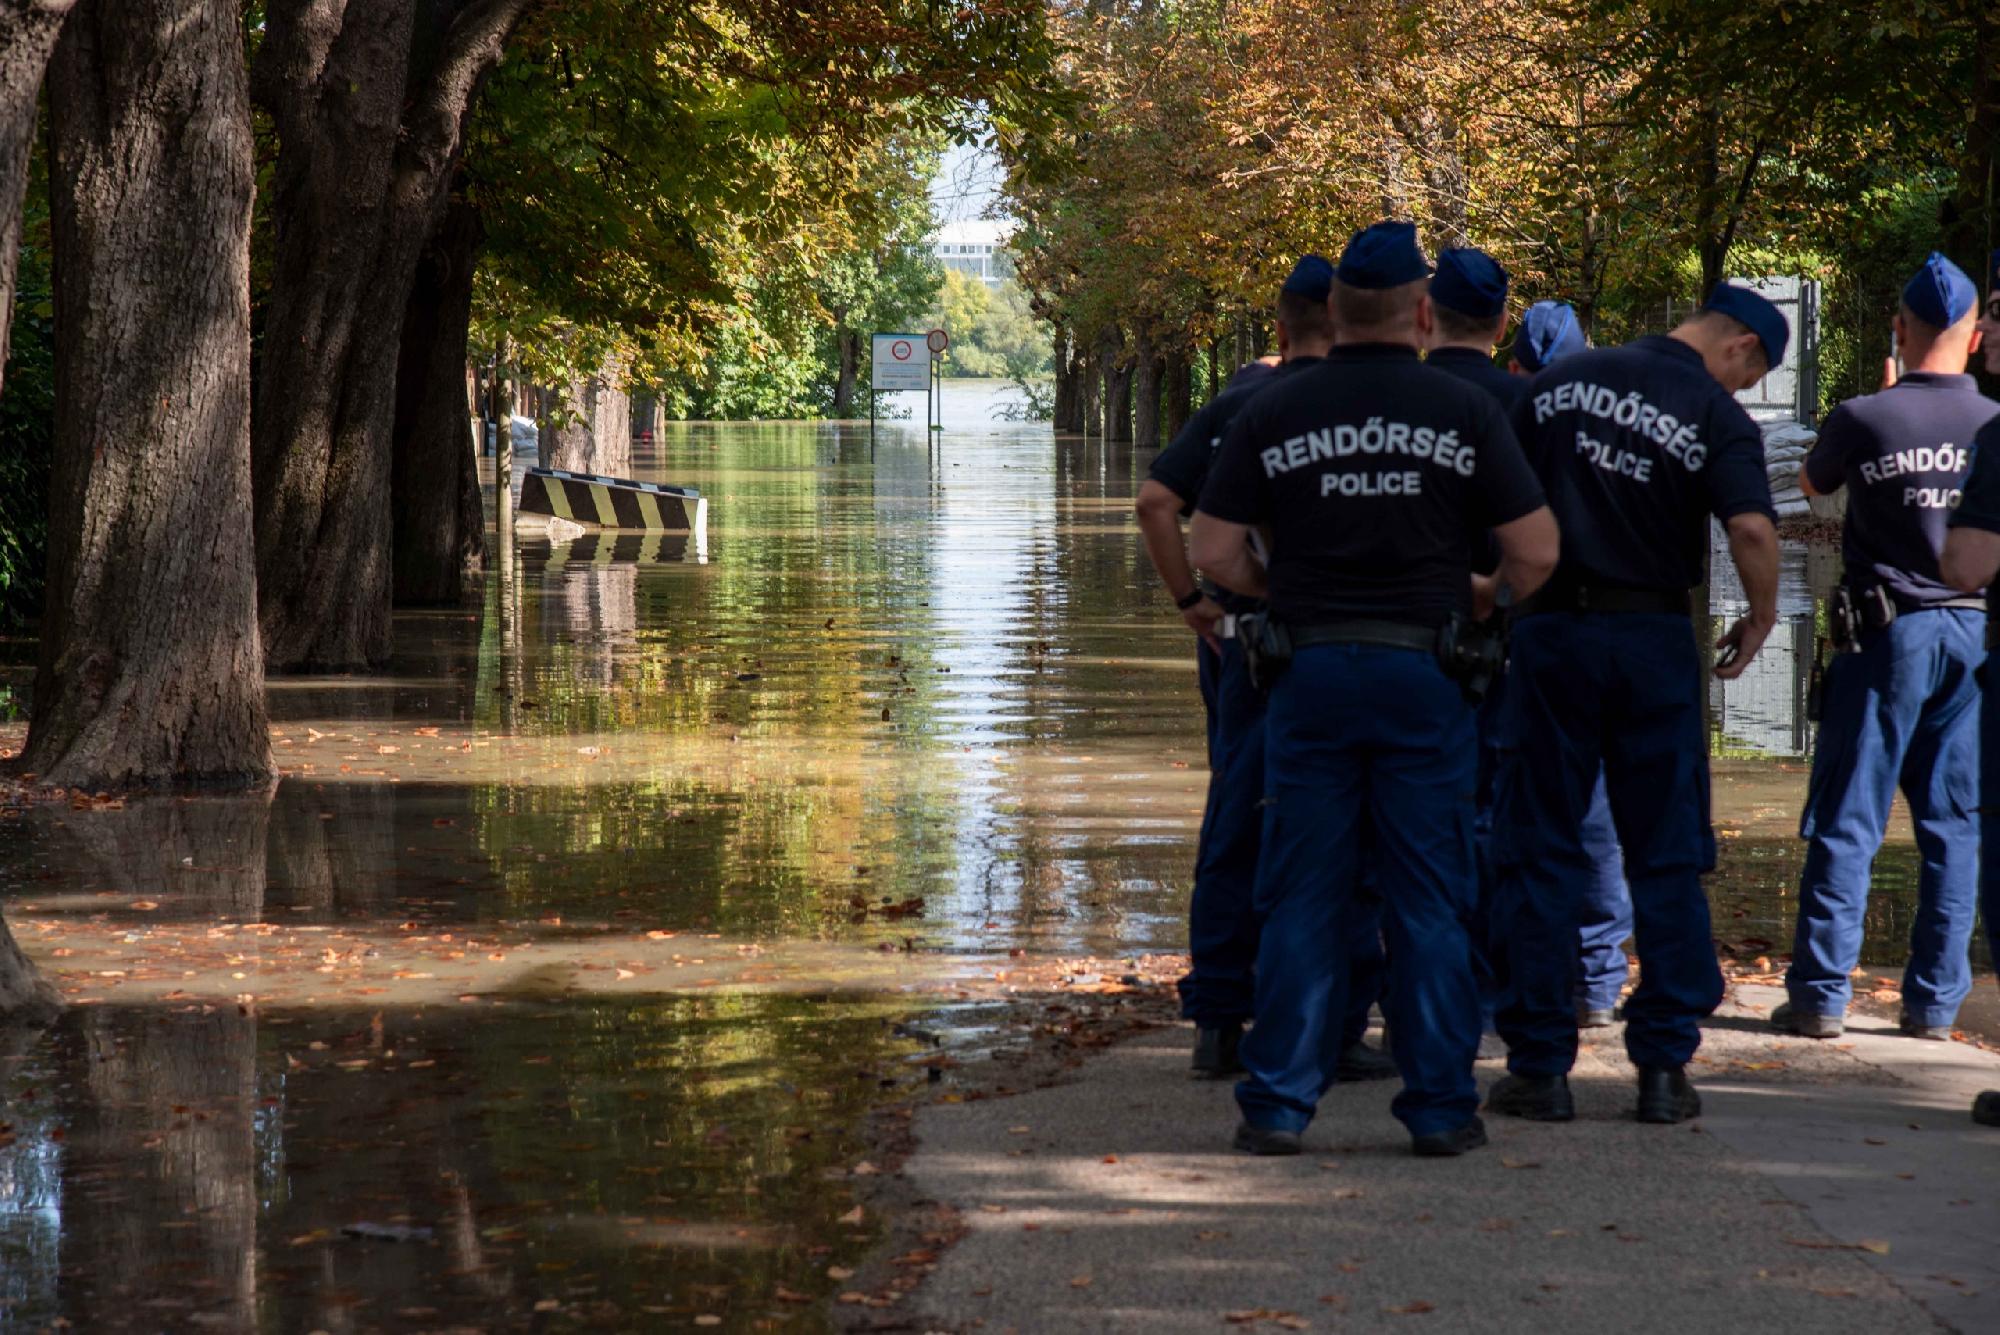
[555, 981]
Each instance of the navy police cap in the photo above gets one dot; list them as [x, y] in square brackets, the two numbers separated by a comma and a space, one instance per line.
[1384, 255]
[1470, 282]
[1311, 278]
[1754, 312]
[1940, 294]
[1549, 331]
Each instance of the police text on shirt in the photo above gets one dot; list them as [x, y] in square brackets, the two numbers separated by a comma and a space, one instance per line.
[1945, 458]
[1630, 412]
[1375, 437]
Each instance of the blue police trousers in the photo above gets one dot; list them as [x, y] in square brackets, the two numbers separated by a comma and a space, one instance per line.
[1989, 803]
[1903, 709]
[1620, 691]
[1365, 736]
[1604, 918]
[1222, 918]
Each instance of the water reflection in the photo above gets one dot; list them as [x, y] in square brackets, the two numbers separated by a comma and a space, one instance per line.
[620, 1165]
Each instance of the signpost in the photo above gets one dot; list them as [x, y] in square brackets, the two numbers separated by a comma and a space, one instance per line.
[904, 362]
[897, 366]
[937, 341]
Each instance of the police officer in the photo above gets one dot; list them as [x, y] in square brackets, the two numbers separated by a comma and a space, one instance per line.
[1549, 332]
[1970, 564]
[1637, 446]
[1217, 993]
[1371, 472]
[1469, 304]
[1902, 705]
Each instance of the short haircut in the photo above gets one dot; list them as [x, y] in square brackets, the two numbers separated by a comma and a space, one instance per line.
[1459, 327]
[1305, 317]
[1730, 327]
[1377, 307]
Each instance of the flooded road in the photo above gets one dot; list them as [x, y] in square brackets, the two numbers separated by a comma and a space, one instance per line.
[553, 984]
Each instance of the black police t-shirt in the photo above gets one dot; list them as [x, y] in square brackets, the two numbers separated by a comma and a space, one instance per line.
[1182, 467]
[1373, 473]
[1474, 367]
[1903, 455]
[1637, 446]
[1980, 506]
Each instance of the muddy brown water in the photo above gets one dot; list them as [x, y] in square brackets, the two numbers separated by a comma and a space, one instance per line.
[555, 981]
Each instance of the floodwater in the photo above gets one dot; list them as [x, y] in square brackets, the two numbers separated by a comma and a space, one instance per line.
[556, 980]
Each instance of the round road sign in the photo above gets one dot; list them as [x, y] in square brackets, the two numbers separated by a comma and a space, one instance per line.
[900, 350]
[937, 340]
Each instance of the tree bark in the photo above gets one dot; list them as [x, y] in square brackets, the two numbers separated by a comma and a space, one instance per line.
[1090, 391]
[849, 344]
[369, 101]
[1062, 410]
[1117, 376]
[26, 998]
[151, 671]
[595, 433]
[28, 32]
[440, 525]
[1180, 390]
[1146, 376]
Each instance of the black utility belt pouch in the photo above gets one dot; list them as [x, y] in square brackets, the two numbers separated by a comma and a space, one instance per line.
[1992, 633]
[1852, 613]
[1267, 648]
[1472, 653]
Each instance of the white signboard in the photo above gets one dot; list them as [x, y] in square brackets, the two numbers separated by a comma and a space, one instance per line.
[901, 362]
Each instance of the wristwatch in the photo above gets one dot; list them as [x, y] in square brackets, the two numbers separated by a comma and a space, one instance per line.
[1194, 596]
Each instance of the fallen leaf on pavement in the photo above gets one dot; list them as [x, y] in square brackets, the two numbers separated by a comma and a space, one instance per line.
[1417, 1308]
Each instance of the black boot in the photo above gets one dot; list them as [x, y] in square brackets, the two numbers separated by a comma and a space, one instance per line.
[1447, 1144]
[1265, 1141]
[1215, 1051]
[1666, 1095]
[1986, 1108]
[1538, 1098]
[1361, 1062]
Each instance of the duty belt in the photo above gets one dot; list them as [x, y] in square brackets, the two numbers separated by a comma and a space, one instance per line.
[1388, 634]
[1606, 598]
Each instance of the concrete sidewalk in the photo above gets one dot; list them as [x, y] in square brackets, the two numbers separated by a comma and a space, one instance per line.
[1828, 1187]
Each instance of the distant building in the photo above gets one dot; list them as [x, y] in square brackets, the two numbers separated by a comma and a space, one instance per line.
[976, 249]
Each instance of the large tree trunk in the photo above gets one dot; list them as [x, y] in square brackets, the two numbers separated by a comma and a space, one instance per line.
[849, 344]
[1117, 386]
[1063, 415]
[1147, 373]
[440, 526]
[1089, 393]
[1180, 390]
[595, 433]
[28, 31]
[150, 668]
[26, 998]
[369, 102]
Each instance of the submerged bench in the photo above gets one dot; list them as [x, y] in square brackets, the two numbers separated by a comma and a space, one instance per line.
[611, 502]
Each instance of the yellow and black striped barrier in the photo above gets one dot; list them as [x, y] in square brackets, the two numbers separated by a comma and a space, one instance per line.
[611, 502]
